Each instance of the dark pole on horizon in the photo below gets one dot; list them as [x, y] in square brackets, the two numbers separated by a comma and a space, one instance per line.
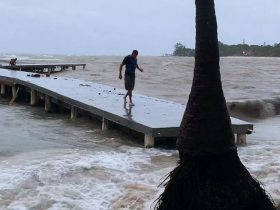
[209, 174]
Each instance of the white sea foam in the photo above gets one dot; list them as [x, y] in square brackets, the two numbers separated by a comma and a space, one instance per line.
[81, 179]
[107, 175]
[23, 59]
[262, 155]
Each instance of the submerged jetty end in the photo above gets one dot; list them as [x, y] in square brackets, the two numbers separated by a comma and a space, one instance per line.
[151, 119]
[44, 68]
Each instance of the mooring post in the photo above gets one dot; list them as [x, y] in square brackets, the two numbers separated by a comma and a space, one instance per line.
[33, 98]
[3, 90]
[241, 138]
[149, 140]
[48, 104]
[105, 124]
[74, 112]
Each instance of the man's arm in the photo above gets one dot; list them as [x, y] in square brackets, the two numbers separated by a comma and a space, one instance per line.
[140, 69]
[121, 66]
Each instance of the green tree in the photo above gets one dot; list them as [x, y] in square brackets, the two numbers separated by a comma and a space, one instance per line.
[181, 50]
[235, 50]
[249, 50]
[210, 174]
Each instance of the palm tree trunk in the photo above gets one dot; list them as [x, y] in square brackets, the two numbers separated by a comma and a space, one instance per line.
[206, 126]
[210, 174]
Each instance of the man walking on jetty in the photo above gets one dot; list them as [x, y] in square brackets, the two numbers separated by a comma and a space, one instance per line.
[131, 65]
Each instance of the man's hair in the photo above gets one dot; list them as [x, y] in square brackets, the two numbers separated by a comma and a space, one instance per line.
[135, 52]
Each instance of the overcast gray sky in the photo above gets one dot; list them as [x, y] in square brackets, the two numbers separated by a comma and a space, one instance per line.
[115, 27]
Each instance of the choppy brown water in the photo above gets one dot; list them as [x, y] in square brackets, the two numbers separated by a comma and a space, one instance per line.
[171, 77]
[49, 162]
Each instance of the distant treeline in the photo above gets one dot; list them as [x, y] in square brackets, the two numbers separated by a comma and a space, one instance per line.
[234, 50]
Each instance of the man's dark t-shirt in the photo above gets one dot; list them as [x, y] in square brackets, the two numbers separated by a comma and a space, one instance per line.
[130, 65]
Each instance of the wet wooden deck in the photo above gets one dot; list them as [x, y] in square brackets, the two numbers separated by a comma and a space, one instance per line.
[153, 117]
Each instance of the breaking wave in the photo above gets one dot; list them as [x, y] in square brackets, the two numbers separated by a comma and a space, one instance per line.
[262, 108]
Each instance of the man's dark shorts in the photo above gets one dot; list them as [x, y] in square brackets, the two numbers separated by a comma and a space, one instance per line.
[129, 82]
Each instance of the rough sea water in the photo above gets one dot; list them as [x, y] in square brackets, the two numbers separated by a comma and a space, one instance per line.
[48, 161]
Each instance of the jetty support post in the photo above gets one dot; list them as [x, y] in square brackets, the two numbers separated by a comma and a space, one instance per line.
[73, 67]
[74, 112]
[3, 90]
[48, 103]
[105, 124]
[149, 140]
[241, 138]
[14, 91]
[84, 66]
[34, 97]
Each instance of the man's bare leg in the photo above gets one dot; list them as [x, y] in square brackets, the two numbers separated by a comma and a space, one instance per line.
[124, 98]
[130, 98]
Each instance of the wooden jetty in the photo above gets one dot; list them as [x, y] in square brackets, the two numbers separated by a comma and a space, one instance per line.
[152, 118]
[44, 68]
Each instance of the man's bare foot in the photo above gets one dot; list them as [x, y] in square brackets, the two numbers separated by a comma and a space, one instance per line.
[131, 104]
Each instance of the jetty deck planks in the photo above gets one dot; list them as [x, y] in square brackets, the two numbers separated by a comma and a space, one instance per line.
[151, 116]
